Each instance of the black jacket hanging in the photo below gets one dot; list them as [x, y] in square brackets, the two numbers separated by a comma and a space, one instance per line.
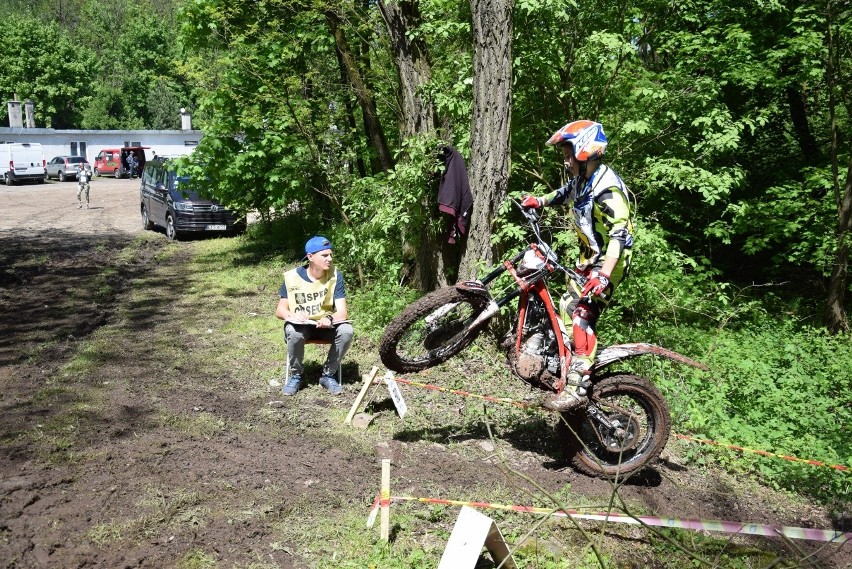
[454, 196]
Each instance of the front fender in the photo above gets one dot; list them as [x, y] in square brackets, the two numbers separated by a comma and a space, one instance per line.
[620, 352]
[474, 288]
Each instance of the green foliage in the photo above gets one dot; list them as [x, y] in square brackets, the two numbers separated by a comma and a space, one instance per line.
[387, 213]
[790, 222]
[42, 63]
[785, 391]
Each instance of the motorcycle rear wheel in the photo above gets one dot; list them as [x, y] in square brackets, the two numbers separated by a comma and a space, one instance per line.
[431, 330]
[635, 406]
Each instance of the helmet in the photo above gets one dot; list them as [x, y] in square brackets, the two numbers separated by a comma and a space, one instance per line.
[587, 138]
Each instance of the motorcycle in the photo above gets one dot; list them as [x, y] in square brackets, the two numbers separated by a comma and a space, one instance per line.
[626, 422]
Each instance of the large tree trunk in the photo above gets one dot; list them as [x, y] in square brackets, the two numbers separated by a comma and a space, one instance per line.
[835, 314]
[375, 132]
[835, 311]
[413, 64]
[492, 97]
[417, 118]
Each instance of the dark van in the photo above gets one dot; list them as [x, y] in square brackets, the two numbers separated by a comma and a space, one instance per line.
[166, 201]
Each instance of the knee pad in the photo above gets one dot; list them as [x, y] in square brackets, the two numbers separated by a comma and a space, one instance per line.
[587, 312]
[583, 323]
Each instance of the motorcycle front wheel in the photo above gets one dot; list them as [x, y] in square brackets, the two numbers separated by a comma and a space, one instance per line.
[431, 330]
[639, 426]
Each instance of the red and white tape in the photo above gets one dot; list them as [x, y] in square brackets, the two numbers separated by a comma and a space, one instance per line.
[522, 405]
[744, 528]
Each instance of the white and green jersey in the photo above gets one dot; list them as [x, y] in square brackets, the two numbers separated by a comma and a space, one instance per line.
[601, 218]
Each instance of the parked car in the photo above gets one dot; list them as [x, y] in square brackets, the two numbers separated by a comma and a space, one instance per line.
[167, 200]
[113, 161]
[65, 167]
[21, 162]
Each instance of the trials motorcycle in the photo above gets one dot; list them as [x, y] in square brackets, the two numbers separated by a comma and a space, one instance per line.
[626, 422]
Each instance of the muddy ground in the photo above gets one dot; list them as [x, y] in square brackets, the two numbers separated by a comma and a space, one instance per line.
[128, 463]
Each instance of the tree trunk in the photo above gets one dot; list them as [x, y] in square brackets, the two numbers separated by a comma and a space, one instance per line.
[835, 311]
[413, 64]
[435, 261]
[365, 98]
[799, 117]
[492, 97]
[835, 314]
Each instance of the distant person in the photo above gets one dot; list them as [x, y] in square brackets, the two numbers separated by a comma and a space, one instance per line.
[82, 186]
[131, 165]
[313, 306]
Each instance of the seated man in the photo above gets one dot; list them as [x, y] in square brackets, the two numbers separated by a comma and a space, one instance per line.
[313, 306]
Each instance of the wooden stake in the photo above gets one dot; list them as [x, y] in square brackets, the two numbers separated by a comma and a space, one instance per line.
[368, 379]
[385, 502]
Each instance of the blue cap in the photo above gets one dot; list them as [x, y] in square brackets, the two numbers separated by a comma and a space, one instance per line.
[316, 244]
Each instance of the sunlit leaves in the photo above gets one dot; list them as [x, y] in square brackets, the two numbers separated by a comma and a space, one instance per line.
[41, 63]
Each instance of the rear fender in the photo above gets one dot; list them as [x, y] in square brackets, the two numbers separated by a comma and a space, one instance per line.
[621, 352]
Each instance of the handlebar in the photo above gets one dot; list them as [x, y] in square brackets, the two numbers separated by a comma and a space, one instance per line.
[532, 216]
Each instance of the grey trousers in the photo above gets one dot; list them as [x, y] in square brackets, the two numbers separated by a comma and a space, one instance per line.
[295, 335]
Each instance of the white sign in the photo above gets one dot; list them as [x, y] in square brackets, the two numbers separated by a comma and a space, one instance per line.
[396, 395]
[472, 532]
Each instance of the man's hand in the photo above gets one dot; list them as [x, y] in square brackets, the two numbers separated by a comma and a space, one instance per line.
[326, 321]
[596, 284]
[532, 201]
[298, 318]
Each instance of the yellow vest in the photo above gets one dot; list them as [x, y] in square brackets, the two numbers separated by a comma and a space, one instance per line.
[316, 298]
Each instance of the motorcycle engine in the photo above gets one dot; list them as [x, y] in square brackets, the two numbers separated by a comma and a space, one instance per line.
[537, 362]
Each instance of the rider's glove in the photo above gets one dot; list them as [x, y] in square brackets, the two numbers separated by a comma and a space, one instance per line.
[596, 284]
[533, 202]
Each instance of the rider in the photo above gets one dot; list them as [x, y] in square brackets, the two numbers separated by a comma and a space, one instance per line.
[601, 218]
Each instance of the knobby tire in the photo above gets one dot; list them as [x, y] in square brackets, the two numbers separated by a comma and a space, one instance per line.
[617, 396]
[410, 343]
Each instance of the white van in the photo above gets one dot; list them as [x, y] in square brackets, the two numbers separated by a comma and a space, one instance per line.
[22, 162]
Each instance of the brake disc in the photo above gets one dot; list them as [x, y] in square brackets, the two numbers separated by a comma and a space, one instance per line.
[617, 431]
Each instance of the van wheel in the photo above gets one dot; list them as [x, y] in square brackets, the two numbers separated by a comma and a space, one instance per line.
[147, 224]
[116, 174]
[9, 180]
[171, 232]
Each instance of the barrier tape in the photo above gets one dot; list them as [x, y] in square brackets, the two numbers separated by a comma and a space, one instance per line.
[722, 526]
[507, 401]
[762, 452]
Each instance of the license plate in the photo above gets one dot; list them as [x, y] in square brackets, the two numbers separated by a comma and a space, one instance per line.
[216, 227]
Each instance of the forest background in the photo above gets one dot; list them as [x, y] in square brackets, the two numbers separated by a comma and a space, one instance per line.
[729, 120]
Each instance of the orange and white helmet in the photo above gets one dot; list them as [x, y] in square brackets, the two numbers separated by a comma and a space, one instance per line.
[587, 138]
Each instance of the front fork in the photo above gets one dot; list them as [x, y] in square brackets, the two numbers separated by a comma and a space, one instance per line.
[556, 323]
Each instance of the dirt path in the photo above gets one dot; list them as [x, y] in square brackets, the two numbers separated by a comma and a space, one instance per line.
[117, 451]
[113, 208]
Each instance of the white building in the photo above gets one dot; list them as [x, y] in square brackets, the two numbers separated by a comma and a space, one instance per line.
[89, 143]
